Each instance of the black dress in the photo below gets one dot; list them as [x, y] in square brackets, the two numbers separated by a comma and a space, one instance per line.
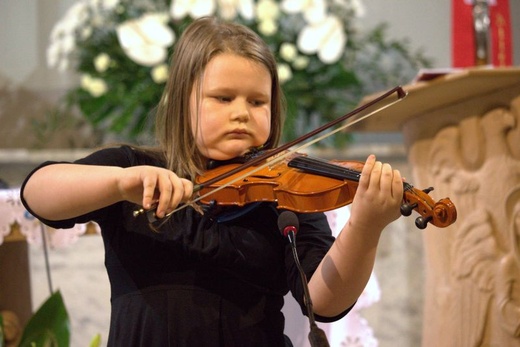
[216, 279]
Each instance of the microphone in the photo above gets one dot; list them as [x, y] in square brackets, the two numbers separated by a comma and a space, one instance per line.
[288, 225]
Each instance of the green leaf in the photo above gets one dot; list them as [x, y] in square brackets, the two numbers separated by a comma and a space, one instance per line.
[49, 326]
[96, 341]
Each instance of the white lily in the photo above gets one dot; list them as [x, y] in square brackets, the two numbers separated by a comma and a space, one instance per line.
[95, 86]
[62, 39]
[109, 4]
[301, 62]
[229, 9]
[267, 27]
[284, 72]
[288, 51]
[267, 10]
[327, 39]
[314, 11]
[102, 62]
[159, 73]
[194, 8]
[145, 40]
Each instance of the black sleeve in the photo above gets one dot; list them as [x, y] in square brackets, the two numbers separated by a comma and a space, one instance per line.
[123, 156]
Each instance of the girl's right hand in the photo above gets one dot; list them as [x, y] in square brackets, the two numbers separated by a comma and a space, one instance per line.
[151, 186]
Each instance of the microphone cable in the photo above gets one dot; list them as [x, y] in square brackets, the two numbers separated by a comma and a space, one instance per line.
[288, 224]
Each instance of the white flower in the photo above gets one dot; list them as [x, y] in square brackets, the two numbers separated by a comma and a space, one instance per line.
[288, 51]
[145, 40]
[294, 6]
[62, 39]
[284, 72]
[267, 14]
[109, 4]
[313, 10]
[68, 44]
[228, 9]
[301, 62]
[64, 65]
[160, 73]
[102, 62]
[267, 10]
[85, 32]
[58, 52]
[75, 16]
[53, 55]
[327, 39]
[267, 27]
[95, 86]
[194, 8]
[354, 5]
[97, 19]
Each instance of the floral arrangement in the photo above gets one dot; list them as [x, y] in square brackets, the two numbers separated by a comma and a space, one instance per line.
[120, 49]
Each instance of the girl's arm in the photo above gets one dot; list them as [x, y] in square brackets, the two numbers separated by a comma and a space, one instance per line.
[345, 270]
[63, 191]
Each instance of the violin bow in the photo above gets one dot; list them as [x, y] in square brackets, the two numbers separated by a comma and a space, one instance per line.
[398, 91]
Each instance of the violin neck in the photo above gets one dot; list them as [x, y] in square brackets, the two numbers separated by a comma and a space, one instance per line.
[324, 168]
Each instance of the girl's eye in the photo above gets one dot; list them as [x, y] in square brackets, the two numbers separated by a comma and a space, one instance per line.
[258, 102]
[223, 98]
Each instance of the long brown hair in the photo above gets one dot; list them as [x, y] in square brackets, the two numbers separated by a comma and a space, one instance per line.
[202, 40]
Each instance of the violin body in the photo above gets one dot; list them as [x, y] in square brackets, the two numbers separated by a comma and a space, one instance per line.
[290, 188]
[304, 184]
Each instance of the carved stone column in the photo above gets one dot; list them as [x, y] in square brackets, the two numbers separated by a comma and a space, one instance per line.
[462, 133]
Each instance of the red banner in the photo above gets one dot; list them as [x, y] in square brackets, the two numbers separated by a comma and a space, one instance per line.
[464, 38]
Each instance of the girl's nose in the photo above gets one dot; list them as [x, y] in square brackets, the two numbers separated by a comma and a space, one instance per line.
[240, 112]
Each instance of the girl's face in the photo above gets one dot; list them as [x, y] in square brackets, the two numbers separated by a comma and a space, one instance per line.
[233, 112]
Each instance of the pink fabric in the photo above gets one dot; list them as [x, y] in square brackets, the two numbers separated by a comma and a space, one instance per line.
[12, 211]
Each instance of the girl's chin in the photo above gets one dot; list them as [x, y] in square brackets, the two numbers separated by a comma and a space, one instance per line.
[229, 150]
[227, 155]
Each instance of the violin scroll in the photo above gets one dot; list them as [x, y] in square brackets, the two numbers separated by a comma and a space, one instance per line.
[441, 213]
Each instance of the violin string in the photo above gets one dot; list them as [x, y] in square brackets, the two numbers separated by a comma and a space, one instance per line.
[281, 157]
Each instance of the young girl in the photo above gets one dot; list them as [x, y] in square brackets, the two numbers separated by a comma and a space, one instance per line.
[212, 279]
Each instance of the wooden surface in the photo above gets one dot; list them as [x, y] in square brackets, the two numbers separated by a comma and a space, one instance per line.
[444, 91]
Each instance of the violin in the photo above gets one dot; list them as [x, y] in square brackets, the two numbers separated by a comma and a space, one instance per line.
[305, 184]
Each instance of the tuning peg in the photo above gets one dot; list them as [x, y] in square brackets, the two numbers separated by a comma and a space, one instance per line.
[422, 222]
[427, 190]
[406, 209]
